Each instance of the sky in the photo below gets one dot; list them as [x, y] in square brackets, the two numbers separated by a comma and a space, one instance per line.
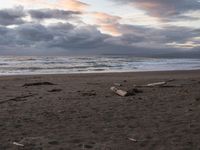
[146, 28]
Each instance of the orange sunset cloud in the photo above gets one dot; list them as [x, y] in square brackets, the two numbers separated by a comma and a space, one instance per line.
[107, 23]
[73, 5]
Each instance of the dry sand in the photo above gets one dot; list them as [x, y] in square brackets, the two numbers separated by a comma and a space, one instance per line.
[79, 112]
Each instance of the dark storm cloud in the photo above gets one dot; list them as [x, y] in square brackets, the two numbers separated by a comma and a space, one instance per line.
[12, 16]
[3, 30]
[141, 34]
[4, 40]
[65, 38]
[52, 14]
[87, 37]
[165, 8]
[33, 33]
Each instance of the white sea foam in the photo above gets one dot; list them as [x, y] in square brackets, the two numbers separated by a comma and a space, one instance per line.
[61, 65]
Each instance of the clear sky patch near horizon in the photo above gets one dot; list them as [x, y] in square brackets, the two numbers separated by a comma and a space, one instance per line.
[139, 27]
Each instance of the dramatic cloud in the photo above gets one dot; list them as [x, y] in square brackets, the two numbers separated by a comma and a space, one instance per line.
[168, 37]
[108, 23]
[52, 14]
[74, 29]
[164, 8]
[74, 38]
[65, 38]
[12, 16]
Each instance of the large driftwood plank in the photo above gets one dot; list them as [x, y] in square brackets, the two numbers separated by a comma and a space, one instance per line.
[119, 92]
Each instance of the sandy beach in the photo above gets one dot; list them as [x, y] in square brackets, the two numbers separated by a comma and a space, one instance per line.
[80, 112]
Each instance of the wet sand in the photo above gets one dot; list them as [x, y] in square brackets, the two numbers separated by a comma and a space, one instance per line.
[80, 112]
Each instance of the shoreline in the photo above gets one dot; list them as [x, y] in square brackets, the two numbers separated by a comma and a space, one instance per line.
[102, 73]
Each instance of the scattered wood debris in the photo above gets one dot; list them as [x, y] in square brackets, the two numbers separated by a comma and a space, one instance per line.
[135, 90]
[38, 84]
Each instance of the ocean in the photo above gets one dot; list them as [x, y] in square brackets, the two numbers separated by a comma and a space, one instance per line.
[26, 65]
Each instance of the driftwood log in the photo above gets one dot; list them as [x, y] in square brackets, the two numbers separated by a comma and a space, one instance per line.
[119, 92]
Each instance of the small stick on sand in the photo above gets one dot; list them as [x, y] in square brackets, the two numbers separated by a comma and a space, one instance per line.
[18, 144]
[131, 139]
[156, 84]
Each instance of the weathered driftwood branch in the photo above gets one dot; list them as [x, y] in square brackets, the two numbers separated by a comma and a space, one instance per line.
[159, 84]
[135, 90]
[151, 84]
[156, 84]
